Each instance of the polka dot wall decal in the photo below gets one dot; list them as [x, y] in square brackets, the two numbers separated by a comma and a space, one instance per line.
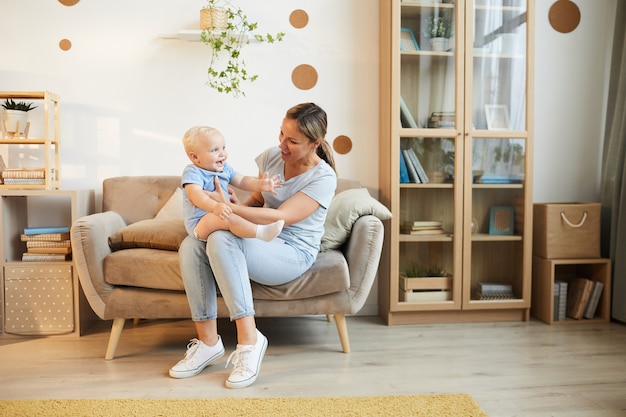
[65, 44]
[304, 77]
[298, 19]
[564, 16]
[68, 2]
[342, 144]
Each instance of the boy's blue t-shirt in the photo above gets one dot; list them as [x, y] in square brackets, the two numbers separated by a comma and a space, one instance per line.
[195, 175]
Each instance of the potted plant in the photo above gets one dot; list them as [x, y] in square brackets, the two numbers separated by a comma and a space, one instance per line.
[437, 29]
[425, 283]
[16, 115]
[227, 69]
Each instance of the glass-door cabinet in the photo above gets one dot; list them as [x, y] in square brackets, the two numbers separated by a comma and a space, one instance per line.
[455, 154]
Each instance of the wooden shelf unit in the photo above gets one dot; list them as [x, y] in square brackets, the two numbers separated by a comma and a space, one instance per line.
[546, 271]
[464, 82]
[29, 208]
[50, 141]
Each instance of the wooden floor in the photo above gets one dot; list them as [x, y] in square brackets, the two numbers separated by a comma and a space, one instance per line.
[512, 369]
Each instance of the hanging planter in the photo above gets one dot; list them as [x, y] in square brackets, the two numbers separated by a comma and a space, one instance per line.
[227, 69]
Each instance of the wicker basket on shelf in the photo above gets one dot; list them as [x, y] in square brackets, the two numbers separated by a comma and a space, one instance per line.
[214, 19]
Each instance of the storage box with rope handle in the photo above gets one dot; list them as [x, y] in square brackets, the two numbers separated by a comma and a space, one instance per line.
[566, 230]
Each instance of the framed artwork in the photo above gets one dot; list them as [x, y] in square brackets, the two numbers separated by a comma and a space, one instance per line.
[407, 40]
[497, 116]
[501, 220]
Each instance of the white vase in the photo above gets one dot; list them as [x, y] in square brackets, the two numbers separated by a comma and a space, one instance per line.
[439, 44]
[15, 121]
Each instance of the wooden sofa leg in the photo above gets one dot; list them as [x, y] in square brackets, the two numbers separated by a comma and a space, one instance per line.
[329, 318]
[342, 329]
[116, 332]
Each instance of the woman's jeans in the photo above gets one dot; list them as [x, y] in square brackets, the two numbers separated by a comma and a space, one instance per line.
[232, 262]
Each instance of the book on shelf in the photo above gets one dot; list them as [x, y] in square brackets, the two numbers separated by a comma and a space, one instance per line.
[418, 166]
[48, 243]
[555, 302]
[46, 237]
[45, 257]
[23, 173]
[45, 230]
[594, 299]
[494, 291]
[423, 227]
[427, 223]
[562, 306]
[24, 181]
[424, 232]
[404, 173]
[49, 250]
[406, 118]
[413, 176]
[578, 295]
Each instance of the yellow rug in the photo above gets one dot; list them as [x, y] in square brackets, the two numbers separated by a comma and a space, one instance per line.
[443, 405]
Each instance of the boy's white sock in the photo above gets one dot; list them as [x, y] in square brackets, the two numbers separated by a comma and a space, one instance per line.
[268, 232]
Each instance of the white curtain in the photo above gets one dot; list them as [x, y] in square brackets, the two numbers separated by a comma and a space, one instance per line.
[614, 170]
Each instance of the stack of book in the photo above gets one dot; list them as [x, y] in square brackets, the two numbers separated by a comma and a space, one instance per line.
[423, 227]
[560, 300]
[494, 291]
[582, 298]
[47, 244]
[24, 176]
[411, 170]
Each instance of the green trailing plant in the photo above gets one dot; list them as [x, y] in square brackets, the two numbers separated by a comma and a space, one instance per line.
[227, 69]
[10, 104]
[437, 27]
[416, 271]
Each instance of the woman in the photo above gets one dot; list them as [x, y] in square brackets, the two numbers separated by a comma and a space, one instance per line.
[304, 160]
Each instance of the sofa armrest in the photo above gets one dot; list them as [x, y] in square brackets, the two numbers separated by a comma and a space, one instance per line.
[363, 251]
[90, 245]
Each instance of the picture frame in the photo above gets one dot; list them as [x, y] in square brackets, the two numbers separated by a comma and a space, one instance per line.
[407, 40]
[501, 220]
[497, 116]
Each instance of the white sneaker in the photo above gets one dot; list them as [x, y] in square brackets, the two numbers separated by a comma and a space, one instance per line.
[247, 363]
[198, 356]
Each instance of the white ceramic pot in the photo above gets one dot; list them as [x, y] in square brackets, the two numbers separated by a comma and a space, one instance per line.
[15, 121]
[439, 44]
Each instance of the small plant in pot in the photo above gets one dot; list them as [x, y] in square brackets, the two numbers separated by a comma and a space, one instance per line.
[16, 115]
[437, 29]
[227, 69]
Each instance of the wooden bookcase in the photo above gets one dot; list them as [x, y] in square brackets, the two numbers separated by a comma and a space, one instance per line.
[546, 271]
[35, 208]
[467, 112]
[46, 129]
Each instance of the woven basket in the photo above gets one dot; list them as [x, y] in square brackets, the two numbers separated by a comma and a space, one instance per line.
[214, 19]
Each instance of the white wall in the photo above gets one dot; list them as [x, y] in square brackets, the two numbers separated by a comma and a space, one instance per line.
[571, 84]
[128, 95]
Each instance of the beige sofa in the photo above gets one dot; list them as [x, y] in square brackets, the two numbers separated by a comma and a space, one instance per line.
[127, 259]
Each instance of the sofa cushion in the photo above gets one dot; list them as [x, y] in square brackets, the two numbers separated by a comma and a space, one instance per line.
[344, 210]
[173, 209]
[158, 269]
[146, 268]
[152, 234]
[328, 274]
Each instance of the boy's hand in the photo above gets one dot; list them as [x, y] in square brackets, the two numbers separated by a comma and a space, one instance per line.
[223, 211]
[270, 184]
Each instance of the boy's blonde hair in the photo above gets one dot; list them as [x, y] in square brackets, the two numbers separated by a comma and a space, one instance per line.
[190, 137]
